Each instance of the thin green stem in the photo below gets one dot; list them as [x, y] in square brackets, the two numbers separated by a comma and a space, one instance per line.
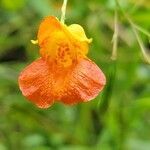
[115, 36]
[141, 30]
[138, 38]
[63, 11]
[141, 44]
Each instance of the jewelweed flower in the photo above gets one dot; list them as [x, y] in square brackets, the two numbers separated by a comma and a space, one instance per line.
[63, 72]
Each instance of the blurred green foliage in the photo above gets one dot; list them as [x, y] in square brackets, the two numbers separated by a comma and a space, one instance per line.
[118, 119]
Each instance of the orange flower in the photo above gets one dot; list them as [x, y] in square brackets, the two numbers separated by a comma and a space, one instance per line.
[63, 72]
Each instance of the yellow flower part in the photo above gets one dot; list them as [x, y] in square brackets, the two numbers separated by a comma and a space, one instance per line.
[62, 44]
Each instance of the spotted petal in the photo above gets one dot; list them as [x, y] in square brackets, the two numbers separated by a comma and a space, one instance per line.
[43, 84]
[84, 83]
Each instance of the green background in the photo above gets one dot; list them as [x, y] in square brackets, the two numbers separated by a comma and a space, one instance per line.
[118, 119]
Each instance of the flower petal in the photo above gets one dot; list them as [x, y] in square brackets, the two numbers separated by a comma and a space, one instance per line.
[78, 32]
[48, 26]
[55, 44]
[33, 82]
[84, 82]
[42, 83]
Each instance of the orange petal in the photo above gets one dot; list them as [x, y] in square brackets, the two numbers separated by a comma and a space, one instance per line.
[84, 83]
[43, 83]
[33, 82]
[47, 27]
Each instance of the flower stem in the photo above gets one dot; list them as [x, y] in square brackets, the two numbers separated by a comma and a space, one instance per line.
[115, 36]
[138, 38]
[141, 30]
[63, 11]
[140, 42]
